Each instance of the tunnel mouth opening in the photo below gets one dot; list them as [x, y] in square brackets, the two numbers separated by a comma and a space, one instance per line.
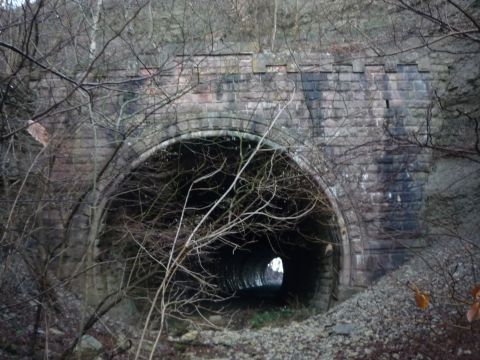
[206, 219]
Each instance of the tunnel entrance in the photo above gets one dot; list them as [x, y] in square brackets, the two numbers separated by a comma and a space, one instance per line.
[214, 220]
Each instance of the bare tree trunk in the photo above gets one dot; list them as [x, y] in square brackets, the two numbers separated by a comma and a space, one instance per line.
[274, 31]
[93, 36]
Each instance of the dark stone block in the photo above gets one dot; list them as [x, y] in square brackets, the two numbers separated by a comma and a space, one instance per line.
[408, 68]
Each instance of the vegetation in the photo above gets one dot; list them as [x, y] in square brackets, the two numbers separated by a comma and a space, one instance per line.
[155, 236]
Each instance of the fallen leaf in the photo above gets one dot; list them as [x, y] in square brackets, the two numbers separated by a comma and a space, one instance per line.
[476, 292]
[422, 299]
[38, 132]
[474, 312]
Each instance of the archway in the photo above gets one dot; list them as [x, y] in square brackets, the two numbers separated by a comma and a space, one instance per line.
[209, 214]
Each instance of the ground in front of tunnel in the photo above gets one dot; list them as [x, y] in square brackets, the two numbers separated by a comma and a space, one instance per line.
[382, 322]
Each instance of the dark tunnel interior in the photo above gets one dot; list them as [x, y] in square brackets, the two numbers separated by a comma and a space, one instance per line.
[181, 203]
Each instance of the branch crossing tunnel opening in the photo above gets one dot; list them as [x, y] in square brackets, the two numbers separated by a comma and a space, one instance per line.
[222, 220]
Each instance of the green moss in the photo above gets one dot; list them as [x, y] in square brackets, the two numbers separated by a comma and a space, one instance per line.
[273, 317]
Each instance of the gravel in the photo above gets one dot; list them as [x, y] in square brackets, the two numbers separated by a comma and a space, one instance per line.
[383, 322]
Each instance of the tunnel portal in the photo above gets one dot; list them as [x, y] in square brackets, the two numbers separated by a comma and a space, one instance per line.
[205, 217]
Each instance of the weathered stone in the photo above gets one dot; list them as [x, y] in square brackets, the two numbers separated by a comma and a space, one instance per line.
[88, 348]
[346, 110]
[189, 336]
[344, 329]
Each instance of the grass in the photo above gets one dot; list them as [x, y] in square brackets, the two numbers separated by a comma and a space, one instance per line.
[276, 317]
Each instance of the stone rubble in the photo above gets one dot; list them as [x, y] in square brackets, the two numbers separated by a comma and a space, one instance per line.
[385, 313]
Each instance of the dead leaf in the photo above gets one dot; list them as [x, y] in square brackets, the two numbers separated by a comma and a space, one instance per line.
[474, 312]
[476, 292]
[38, 132]
[422, 299]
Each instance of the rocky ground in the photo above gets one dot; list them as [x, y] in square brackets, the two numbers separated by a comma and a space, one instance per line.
[383, 322]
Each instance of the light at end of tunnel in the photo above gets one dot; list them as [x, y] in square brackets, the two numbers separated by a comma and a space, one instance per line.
[276, 265]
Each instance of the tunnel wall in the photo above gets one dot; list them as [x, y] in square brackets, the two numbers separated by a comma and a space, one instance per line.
[343, 123]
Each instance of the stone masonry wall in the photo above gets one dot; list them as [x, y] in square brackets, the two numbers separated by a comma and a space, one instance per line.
[347, 124]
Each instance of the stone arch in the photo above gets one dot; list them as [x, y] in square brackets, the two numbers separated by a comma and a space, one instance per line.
[297, 158]
[279, 139]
